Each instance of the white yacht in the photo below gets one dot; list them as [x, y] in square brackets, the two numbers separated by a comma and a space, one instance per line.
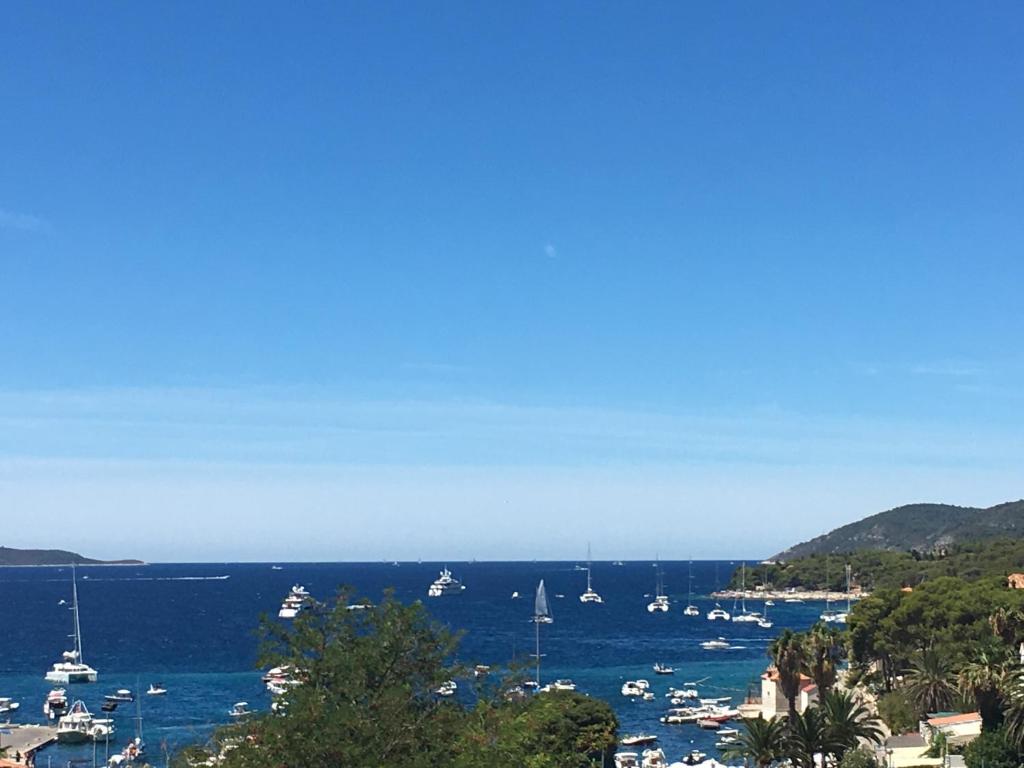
[559, 685]
[8, 705]
[156, 689]
[830, 616]
[78, 726]
[690, 609]
[639, 740]
[73, 669]
[718, 613]
[634, 688]
[297, 599]
[445, 584]
[653, 758]
[663, 669]
[626, 760]
[590, 596]
[447, 688]
[764, 622]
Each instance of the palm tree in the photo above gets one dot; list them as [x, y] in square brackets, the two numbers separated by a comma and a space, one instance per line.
[1007, 624]
[809, 735]
[762, 742]
[849, 723]
[930, 683]
[986, 680]
[1014, 710]
[823, 649]
[787, 651]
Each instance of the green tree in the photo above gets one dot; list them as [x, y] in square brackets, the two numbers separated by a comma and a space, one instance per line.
[848, 723]
[897, 712]
[788, 655]
[930, 682]
[984, 680]
[762, 742]
[1014, 708]
[858, 758]
[823, 651]
[809, 735]
[991, 750]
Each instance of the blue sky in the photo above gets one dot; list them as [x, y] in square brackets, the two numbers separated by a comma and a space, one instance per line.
[491, 280]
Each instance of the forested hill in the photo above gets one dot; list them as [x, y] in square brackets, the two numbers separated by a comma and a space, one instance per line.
[9, 556]
[921, 527]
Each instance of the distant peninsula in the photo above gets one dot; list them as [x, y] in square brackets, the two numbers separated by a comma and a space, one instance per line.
[23, 557]
[917, 527]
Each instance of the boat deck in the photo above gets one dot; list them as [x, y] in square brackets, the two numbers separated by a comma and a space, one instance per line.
[26, 738]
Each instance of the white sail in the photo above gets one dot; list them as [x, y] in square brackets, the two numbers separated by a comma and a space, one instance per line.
[540, 604]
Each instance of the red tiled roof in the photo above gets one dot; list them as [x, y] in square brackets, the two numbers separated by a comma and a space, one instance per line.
[966, 717]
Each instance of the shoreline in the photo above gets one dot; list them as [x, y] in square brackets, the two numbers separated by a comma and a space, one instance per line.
[814, 595]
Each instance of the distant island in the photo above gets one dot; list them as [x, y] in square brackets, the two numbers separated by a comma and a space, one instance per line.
[916, 528]
[23, 557]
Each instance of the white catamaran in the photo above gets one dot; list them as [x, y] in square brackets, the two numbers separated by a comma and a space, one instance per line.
[73, 668]
[590, 596]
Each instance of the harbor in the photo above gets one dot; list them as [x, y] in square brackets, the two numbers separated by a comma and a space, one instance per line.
[20, 741]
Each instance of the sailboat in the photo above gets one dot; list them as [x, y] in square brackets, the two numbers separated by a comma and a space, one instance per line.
[660, 602]
[763, 621]
[541, 615]
[690, 609]
[745, 615]
[837, 617]
[590, 596]
[830, 616]
[73, 668]
[136, 750]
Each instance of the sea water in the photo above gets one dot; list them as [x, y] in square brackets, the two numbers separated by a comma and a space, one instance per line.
[193, 628]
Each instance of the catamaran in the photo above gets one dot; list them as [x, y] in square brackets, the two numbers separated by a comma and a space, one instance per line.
[690, 609]
[837, 617]
[73, 668]
[590, 596]
[660, 601]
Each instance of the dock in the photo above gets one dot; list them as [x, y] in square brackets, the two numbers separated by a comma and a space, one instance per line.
[24, 739]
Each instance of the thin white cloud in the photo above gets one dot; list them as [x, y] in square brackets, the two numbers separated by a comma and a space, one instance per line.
[951, 368]
[550, 251]
[21, 221]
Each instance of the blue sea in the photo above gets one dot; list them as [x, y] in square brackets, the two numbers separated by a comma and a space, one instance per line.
[192, 627]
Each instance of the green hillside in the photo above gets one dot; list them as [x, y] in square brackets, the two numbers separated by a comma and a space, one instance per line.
[875, 569]
[9, 556]
[921, 527]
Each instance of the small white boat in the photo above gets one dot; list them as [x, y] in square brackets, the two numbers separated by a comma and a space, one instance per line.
[660, 603]
[720, 644]
[718, 614]
[8, 705]
[695, 756]
[639, 740]
[515, 595]
[590, 596]
[663, 669]
[447, 688]
[653, 758]
[635, 687]
[626, 760]
[559, 685]
[56, 704]
[121, 694]
[156, 689]
[240, 709]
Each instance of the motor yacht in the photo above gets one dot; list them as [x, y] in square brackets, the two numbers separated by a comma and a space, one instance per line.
[445, 584]
[663, 669]
[718, 613]
[120, 695]
[8, 705]
[56, 704]
[297, 599]
[626, 760]
[720, 644]
[639, 740]
[78, 726]
[653, 758]
[240, 709]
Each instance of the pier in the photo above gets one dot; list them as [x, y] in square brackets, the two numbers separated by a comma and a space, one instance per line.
[25, 739]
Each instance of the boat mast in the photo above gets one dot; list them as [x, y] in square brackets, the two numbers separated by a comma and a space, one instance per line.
[74, 607]
[588, 567]
[847, 587]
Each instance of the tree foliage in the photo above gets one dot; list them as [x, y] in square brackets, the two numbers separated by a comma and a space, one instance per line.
[365, 695]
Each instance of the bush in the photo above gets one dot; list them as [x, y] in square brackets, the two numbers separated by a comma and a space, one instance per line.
[897, 712]
[991, 750]
[858, 758]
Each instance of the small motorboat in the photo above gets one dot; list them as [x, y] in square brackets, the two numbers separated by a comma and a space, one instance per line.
[720, 644]
[653, 758]
[240, 709]
[481, 670]
[120, 695]
[663, 669]
[561, 684]
[695, 756]
[709, 724]
[447, 688]
[156, 689]
[109, 706]
[626, 760]
[635, 687]
[8, 705]
[56, 704]
[639, 740]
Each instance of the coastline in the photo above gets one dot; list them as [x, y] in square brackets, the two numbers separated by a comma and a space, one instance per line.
[816, 595]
